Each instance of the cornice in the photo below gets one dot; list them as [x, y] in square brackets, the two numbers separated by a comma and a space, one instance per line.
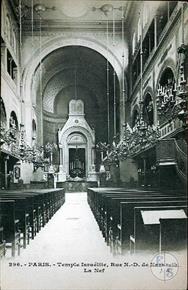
[58, 25]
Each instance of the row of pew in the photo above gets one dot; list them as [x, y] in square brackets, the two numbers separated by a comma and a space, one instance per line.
[23, 213]
[135, 220]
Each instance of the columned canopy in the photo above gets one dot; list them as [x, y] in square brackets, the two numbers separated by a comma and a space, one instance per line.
[77, 146]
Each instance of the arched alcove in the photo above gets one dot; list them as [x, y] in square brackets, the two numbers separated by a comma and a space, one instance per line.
[3, 118]
[34, 131]
[167, 85]
[135, 116]
[148, 112]
[167, 77]
[13, 121]
[77, 145]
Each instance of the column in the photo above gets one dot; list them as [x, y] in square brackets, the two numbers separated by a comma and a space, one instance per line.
[6, 173]
[60, 158]
[61, 177]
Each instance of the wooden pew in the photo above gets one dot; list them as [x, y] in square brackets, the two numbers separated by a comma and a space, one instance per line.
[108, 213]
[148, 234]
[11, 231]
[126, 226]
[95, 195]
[105, 204]
[37, 206]
[113, 218]
[51, 201]
[173, 234]
[22, 214]
[2, 243]
[106, 201]
[45, 201]
[31, 207]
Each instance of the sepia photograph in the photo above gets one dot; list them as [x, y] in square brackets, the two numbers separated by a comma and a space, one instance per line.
[93, 145]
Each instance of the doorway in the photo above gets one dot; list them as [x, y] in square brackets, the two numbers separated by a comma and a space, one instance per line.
[77, 166]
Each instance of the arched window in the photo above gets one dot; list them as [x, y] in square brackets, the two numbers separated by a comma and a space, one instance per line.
[148, 109]
[13, 126]
[13, 121]
[167, 78]
[135, 117]
[34, 129]
[3, 118]
[167, 95]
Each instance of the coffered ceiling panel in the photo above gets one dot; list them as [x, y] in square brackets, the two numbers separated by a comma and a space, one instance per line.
[61, 13]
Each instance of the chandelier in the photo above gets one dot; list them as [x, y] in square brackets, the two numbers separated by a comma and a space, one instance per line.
[13, 141]
[180, 107]
[172, 98]
[7, 136]
[49, 148]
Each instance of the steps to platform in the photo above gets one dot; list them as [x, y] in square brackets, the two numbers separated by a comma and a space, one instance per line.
[77, 186]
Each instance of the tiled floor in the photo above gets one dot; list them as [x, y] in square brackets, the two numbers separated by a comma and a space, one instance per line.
[72, 237]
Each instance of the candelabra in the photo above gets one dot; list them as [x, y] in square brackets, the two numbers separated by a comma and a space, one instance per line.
[166, 98]
[103, 148]
[137, 139]
[172, 98]
[14, 141]
[9, 140]
[134, 141]
[49, 148]
[38, 158]
[8, 136]
[180, 108]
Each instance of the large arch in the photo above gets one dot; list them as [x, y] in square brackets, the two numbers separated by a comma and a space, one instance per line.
[169, 63]
[3, 119]
[61, 42]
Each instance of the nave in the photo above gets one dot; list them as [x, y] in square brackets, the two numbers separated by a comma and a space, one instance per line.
[72, 236]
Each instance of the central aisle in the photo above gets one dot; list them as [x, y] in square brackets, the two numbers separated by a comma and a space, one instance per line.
[72, 237]
[72, 233]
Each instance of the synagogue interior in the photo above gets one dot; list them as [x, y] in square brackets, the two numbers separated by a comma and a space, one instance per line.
[94, 114]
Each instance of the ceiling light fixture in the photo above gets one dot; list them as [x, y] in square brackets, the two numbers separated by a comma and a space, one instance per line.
[106, 8]
[42, 8]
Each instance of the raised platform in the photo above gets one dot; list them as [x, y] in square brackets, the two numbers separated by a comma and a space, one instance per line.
[77, 186]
